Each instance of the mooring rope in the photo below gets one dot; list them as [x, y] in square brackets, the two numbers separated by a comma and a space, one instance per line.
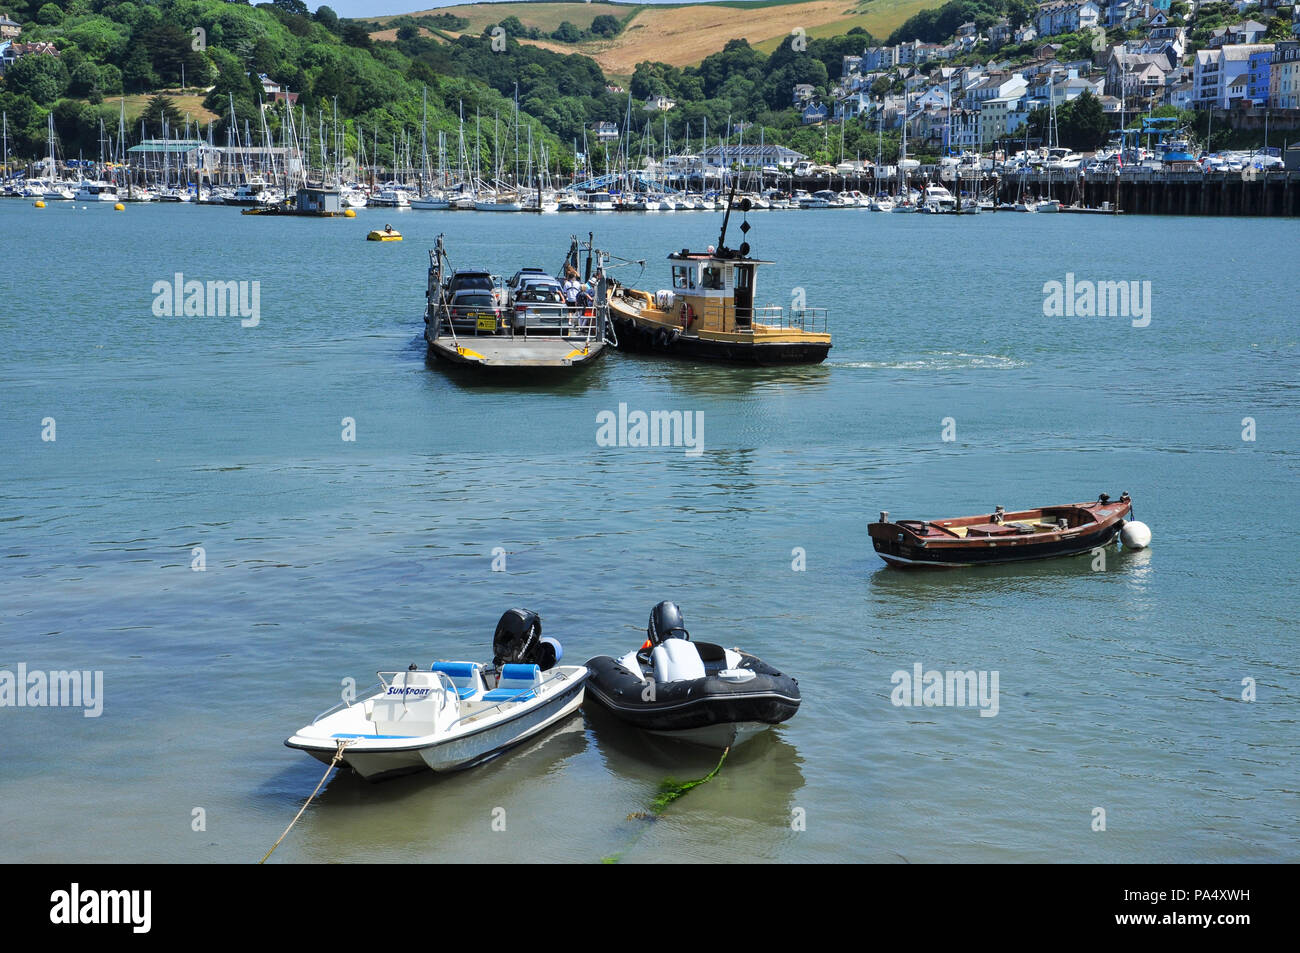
[338, 755]
[669, 791]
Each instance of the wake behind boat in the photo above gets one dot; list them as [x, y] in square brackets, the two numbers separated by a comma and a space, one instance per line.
[694, 691]
[1064, 530]
[452, 715]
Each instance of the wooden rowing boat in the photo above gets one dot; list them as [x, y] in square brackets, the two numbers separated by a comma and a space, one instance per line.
[1068, 529]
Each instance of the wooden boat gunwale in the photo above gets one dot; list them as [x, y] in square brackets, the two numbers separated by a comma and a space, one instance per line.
[1000, 537]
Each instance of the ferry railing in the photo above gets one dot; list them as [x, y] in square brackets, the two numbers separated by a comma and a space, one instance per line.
[535, 319]
[810, 320]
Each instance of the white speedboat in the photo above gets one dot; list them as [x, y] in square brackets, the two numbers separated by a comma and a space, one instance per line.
[355, 197]
[96, 191]
[256, 191]
[391, 198]
[936, 198]
[431, 202]
[452, 715]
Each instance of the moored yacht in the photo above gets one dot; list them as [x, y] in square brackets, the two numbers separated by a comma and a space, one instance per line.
[254, 191]
[936, 198]
[96, 191]
[392, 198]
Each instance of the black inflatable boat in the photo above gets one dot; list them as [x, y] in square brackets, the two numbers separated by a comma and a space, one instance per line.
[696, 691]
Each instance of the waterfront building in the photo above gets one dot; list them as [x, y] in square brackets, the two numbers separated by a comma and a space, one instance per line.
[1218, 70]
[1284, 75]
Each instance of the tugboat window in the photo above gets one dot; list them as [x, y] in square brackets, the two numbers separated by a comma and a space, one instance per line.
[683, 276]
[713, 279]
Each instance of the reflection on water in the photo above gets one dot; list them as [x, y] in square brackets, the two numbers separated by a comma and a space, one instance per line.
[506, 381]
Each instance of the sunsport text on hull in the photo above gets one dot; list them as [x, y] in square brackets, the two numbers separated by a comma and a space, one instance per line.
[1067, 529]
[710, 313]
[453, 715]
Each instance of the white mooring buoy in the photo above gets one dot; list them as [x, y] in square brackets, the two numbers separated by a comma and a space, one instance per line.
[1135, 535]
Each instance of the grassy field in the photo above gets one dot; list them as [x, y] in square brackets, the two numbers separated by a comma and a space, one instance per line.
[186, 103]
[544, 16]
[682, 35]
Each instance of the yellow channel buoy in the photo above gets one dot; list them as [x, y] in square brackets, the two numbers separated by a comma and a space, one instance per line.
[39, 204]
[349, 213]
[119, 207]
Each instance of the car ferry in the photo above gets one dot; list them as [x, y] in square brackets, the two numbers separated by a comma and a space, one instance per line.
[472, 320]
[710, 312]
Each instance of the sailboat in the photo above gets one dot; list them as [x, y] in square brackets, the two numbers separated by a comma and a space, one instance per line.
[905, 201]
[55, 189]
[429, 199]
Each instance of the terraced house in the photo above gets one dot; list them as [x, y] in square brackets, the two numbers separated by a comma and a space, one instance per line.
[1066, 16]
[1284, 75]
[1221, 72]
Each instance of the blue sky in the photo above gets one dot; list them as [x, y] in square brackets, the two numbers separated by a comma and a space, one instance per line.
[365, 9]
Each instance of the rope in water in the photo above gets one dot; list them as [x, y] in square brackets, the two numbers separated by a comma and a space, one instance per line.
[338, 755]
[669, 791]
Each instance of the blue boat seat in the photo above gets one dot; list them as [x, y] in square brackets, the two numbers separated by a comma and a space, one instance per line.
[464, 675]
[518, 683]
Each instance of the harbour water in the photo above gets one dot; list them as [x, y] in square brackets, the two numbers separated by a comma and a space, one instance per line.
[1124, 690]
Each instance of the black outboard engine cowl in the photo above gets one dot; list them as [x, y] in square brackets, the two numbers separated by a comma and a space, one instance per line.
[518, 639]
[666, 622]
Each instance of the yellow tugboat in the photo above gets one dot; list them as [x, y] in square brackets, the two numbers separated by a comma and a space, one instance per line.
[385, 234]
[709, 314]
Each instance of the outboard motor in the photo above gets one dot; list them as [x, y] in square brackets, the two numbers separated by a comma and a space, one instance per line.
[518, 641]
[666, 622]
[517, 638]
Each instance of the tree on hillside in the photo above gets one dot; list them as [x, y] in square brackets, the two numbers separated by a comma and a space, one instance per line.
[327, 18]
[566, 32]
[42, 78]
[354, 34]
[161, 107]
[605, 25]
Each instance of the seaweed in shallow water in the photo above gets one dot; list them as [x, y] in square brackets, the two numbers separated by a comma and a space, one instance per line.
[670, 790]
